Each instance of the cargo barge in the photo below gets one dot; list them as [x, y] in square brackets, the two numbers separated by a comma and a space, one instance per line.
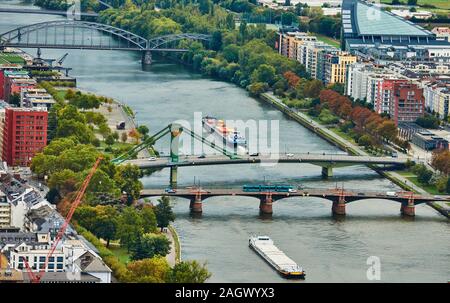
[230, 136]
[285, 266]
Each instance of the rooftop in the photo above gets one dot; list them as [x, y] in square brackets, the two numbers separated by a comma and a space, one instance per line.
[364, 19]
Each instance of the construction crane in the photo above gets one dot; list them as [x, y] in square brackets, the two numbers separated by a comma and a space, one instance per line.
[37, 277]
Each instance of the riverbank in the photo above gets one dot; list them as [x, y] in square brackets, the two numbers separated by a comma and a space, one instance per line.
[348, 147]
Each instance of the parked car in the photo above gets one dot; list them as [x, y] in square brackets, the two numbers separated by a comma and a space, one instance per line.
[292, 190]
[202, 156]
[289, 155]
[152, 159]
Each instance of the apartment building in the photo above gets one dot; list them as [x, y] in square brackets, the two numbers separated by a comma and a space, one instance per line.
[24, 135]
[5, 211]
[336, 66]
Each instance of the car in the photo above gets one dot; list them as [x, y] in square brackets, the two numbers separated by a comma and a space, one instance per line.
[289, 155]
[254, 154]
[391, 193]
[202, 156]
[291, 190]
[170, 190]
[152, 159]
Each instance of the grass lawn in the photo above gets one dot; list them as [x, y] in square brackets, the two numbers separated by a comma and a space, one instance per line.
[328, 40]
[431, 189]
[342, 134]
[11, 58]
[121, 253]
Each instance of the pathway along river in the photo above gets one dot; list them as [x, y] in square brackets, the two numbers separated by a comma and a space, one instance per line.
[330, 250]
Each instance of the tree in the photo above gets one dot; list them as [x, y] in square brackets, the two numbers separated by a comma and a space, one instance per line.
[216, 41]
[130, 227]
[412, 2]
[164, 213]
[149, 217]
[257, 88]
[106, 223]
[150, 245]
[423, 174]
[110, 140]
[231, 53]
[143, 130]
[124, 137]
[441, 160]
[127, 179]
[264, 73]
[189, 272]
[154, 270]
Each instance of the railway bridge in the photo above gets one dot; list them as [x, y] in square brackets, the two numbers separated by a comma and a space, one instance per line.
[71, 34]
[339, 197]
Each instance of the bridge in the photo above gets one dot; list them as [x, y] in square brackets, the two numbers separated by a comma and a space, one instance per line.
[70, 34]
[326, 161]
[227, 157]
[338, 197]
[46, 12]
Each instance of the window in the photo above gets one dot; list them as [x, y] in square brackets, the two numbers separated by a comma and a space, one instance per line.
[59, 259]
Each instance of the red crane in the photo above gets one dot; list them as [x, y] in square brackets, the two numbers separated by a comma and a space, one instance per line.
[36, 277]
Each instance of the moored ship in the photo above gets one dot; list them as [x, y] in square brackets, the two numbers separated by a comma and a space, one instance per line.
[284, 265]
[230, 136]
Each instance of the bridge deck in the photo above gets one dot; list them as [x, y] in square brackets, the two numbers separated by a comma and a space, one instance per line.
[350, 196]
[332, 160]
[44, 12]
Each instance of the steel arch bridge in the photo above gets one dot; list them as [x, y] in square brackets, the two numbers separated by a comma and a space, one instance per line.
[70, 34]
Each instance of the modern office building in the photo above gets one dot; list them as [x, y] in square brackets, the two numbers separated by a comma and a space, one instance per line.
[368, 29]
[24, 134]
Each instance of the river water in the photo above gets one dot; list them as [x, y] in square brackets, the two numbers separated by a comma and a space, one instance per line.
[330, 250]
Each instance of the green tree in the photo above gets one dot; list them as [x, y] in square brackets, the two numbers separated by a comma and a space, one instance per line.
[189, 272]
[149, 217]
[264, 73]
[216, 41]
[127, 179]
[164, 213]
[110, 140]
[143, 130]
[130, 227]
[150, 245]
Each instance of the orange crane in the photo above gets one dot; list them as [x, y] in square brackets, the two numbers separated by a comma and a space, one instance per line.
[37, 277]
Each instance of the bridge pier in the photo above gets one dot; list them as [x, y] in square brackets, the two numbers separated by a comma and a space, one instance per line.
[408, 209]
[173, 176]
[338, 208]
[327, 172]
[146, 57]
[265, 206]
[195, 206]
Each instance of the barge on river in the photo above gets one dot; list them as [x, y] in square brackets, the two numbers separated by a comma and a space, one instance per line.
[285, 266]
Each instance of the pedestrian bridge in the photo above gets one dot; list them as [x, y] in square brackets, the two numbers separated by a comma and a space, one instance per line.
[337, 196]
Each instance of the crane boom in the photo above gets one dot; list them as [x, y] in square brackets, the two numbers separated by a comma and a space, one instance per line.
[36, 278]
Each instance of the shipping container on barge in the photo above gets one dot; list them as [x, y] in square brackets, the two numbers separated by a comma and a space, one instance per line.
[285, 266]
[230, 136]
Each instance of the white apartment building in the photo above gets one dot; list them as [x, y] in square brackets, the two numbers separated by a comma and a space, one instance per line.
[437, 97]
[5, 211]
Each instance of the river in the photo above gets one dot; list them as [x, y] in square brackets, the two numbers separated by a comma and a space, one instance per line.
[330, 250]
